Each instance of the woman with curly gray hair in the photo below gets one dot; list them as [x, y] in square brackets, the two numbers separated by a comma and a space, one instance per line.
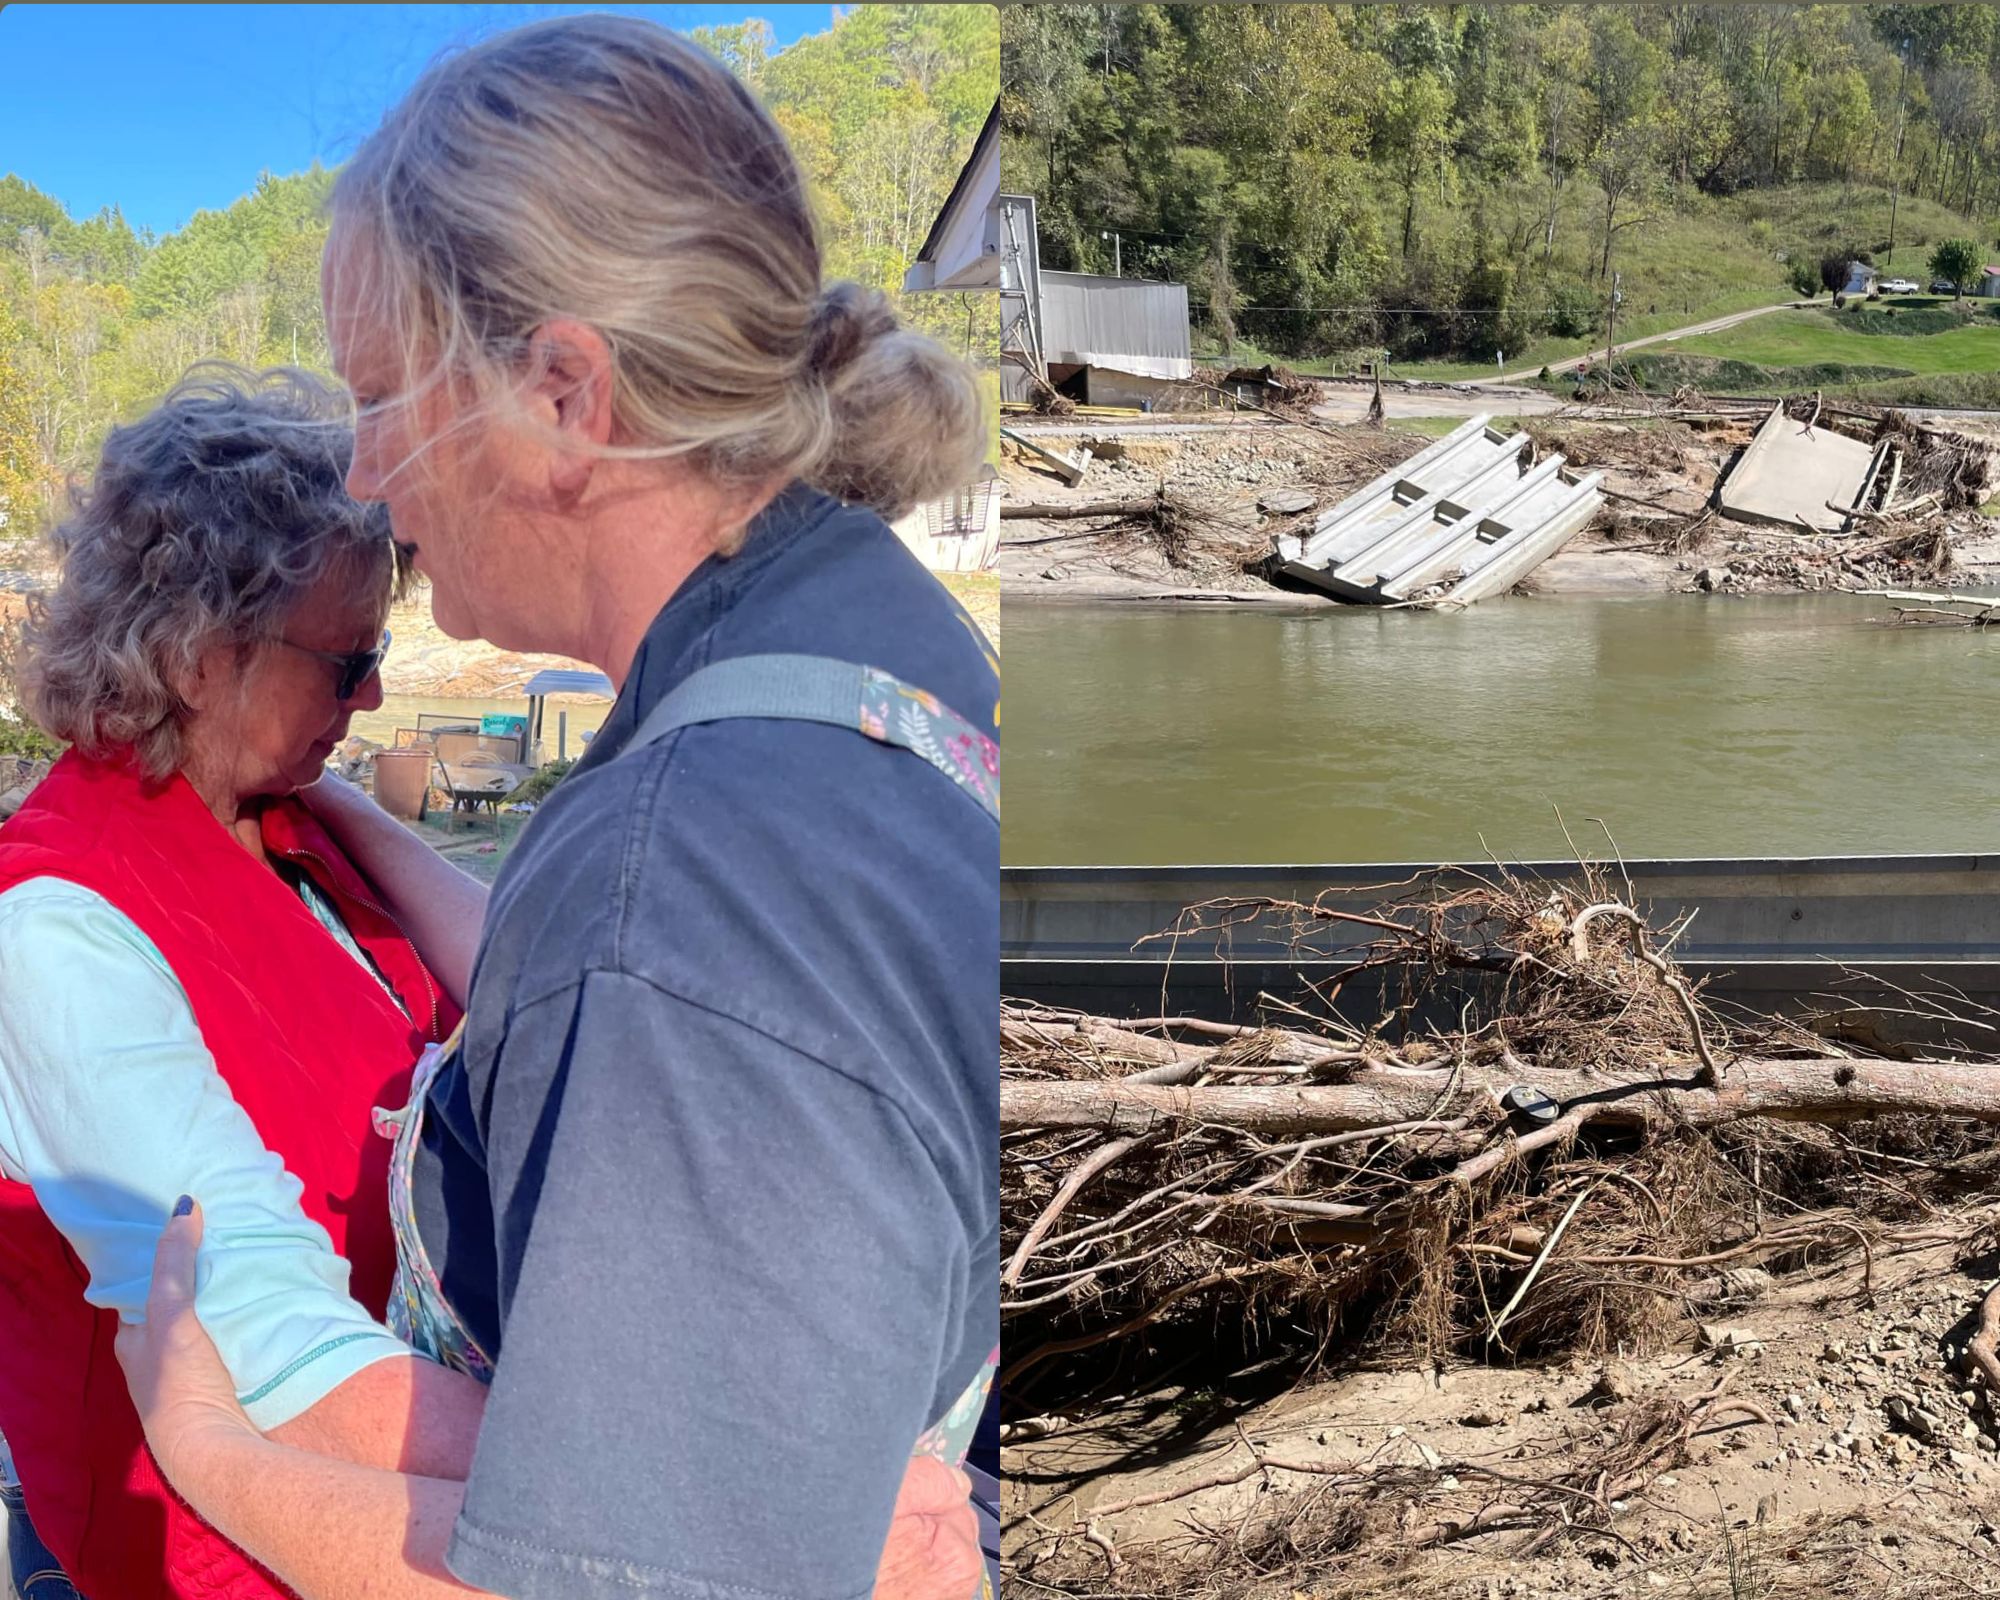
[201, 992]
[706, 1188]
[198, 989]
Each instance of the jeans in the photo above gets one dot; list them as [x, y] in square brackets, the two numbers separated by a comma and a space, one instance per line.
[36, 1573]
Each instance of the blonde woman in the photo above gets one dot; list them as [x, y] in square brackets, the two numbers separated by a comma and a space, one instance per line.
[706, 1187]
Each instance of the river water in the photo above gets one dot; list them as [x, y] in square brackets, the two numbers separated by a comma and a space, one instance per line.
[1693, 725]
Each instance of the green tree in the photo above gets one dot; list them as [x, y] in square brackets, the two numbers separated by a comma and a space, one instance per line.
[21, 462]
[1958, 260]
[1626, 167]
[22, 205]
[1416, 134]
[1563, 52]
[742, 47]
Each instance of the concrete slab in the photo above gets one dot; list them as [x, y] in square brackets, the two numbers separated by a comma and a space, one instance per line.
[1462, 519]
[1788, 473]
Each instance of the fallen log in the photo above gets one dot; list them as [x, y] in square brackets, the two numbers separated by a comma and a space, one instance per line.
[1831, 1090]
[1043, 512]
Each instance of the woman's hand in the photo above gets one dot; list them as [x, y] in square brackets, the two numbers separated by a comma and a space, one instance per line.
[933, 1549]
[179, 1385]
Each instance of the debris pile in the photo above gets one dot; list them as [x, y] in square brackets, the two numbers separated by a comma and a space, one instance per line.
[1189, 536]
[1948, 469]
[1594, 1165]
[1919, 524]
[1565, 1171]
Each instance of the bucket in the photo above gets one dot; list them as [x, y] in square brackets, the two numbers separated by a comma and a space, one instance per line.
[403, 782]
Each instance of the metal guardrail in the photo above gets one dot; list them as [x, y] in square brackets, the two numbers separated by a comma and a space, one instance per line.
[1770, 933]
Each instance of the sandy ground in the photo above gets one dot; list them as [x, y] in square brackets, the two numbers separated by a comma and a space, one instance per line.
[1347, 403]
[1657, 477]
[1876, 1471]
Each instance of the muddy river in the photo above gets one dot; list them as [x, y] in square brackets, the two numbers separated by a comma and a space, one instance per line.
[1724, 726]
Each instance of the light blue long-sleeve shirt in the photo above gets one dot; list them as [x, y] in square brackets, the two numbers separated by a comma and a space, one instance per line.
[111, 1107]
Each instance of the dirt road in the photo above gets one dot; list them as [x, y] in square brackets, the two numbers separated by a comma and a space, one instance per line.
[1713, 325]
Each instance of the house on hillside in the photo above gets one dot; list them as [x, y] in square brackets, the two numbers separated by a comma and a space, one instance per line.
[1861, 280]
[1989, 284]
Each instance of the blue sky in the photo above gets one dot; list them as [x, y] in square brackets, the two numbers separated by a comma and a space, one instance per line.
[169, 109]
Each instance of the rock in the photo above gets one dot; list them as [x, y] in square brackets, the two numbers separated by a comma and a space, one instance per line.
[1482, 1417]
[1912, 1419]
[1795, 1404]
[1712, 578]
[1730, 1341]
[1286, 502]
[1613, 1386]
[1738, 1286]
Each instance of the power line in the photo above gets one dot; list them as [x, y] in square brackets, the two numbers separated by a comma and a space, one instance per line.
[1392, 311]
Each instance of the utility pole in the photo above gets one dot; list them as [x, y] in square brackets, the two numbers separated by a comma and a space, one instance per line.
[1896, 174]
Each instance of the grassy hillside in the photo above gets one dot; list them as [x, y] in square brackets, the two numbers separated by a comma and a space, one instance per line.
[1705, 259]
[1910, 340]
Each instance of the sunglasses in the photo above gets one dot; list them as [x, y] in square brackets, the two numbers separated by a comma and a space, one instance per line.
[356, 666]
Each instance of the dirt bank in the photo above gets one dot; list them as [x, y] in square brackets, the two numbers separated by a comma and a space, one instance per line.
[1229, 485]
[1875, 1474]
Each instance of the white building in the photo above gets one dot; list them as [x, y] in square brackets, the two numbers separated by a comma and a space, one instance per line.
[961, 532]
[962, 250]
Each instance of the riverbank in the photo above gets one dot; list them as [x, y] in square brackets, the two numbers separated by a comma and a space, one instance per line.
[1234, 484]
[1856, 1449]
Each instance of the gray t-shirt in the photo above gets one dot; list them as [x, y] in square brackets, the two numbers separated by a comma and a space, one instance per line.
[715, 1178]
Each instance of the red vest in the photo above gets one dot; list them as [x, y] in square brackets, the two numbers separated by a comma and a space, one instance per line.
[307, 1042]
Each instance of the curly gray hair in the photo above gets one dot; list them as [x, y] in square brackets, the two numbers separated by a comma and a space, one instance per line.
[206, 522]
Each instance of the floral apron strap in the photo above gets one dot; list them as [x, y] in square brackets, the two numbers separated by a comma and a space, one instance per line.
[796, 688]
[419, 1314]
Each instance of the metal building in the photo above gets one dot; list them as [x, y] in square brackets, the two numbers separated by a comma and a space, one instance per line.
[1103, 340]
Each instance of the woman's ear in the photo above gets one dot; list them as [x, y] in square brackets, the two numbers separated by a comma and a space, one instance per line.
[190, 679]
[572, 393]
[213, 670]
